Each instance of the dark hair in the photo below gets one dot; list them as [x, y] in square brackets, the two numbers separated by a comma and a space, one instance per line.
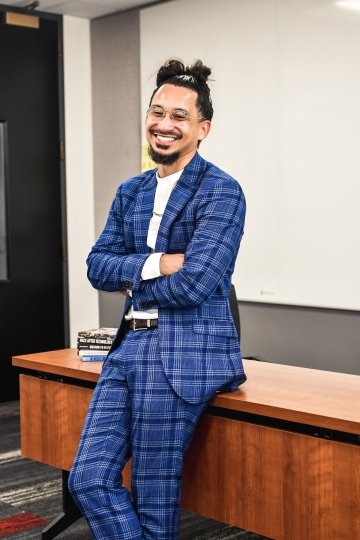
[194, 77]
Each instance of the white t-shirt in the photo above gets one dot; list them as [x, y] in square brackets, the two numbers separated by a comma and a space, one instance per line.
[151, 268]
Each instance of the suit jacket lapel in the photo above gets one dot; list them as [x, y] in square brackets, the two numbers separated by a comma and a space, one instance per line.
[143, 212]
[183, 191]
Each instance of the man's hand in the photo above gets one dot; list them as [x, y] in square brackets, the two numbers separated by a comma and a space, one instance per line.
[169, 264]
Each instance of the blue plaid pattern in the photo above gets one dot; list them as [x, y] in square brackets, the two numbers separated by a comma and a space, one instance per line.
[134, 411]
[204, 219]
[155, 383]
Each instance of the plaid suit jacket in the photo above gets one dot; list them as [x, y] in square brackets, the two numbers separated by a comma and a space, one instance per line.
[204, 219]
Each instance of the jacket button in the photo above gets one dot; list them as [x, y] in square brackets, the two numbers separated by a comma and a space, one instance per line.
[126, 284]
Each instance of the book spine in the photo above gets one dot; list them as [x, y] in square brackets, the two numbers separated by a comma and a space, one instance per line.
[90, 346]
[97, 358]
[94, 341]
[92, 352]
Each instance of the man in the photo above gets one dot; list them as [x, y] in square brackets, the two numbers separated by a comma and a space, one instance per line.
[169, 244]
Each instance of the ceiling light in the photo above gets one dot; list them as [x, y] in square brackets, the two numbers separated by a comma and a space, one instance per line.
[349, 4]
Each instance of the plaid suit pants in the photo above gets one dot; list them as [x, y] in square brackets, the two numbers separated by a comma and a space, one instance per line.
[134, 412]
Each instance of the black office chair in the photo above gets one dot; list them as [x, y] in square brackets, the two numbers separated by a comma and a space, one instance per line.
[234, 307]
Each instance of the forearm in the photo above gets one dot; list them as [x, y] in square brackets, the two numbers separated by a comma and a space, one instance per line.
[196, 280]
[113, 272]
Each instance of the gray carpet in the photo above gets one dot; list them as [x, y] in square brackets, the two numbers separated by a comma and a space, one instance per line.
[28, 486]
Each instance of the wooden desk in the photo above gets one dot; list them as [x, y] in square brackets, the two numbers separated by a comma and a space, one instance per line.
[280, 456]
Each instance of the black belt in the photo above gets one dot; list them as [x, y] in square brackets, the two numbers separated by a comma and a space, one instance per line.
[141, 324]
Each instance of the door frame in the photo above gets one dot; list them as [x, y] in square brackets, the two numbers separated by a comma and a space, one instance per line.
[61, 112]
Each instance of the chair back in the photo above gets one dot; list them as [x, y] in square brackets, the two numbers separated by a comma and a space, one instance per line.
[234, 306]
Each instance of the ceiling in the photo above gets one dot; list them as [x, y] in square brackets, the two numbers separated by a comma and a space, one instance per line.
[89, 9]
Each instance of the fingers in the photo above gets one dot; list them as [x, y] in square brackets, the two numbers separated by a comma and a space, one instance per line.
[171, 263]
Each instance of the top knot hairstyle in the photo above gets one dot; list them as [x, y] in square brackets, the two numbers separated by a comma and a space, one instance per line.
[193, 77]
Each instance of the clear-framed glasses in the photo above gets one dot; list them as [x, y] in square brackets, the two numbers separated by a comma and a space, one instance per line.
[177, 115]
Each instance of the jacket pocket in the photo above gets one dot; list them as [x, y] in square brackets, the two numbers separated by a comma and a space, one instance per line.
[215, 327]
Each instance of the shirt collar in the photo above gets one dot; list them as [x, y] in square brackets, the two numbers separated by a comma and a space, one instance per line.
[171, 177]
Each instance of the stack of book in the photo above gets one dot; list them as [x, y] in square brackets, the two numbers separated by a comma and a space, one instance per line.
[93, 345]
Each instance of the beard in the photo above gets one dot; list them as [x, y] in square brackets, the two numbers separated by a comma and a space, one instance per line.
[161, 159]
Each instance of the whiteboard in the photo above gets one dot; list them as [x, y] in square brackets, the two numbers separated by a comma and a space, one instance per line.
[286, 96]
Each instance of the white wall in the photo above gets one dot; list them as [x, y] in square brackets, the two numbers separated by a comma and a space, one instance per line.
[287, 126]
[316, 338]
[83, 300]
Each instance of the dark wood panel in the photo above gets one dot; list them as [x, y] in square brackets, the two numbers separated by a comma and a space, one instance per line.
[51, 415]
[280, 484]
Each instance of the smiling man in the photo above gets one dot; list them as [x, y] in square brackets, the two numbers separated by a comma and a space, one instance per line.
[170, 245]
[174, 136]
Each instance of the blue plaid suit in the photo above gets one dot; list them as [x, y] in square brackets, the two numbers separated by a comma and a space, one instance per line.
[155, 384]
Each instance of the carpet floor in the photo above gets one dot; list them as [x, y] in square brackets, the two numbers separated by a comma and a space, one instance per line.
[30, 496]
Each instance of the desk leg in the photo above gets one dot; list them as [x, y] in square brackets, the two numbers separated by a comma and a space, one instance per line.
[69, 515]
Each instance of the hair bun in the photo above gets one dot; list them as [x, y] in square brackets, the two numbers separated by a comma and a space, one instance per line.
[199, 71]
[173, 68]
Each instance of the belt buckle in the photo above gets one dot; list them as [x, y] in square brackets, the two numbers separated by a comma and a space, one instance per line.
[148, 325]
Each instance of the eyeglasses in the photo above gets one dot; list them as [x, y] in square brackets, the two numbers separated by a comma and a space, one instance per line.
[177, 115]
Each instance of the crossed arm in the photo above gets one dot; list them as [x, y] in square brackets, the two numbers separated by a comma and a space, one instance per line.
[169, 264]
[187, 279]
